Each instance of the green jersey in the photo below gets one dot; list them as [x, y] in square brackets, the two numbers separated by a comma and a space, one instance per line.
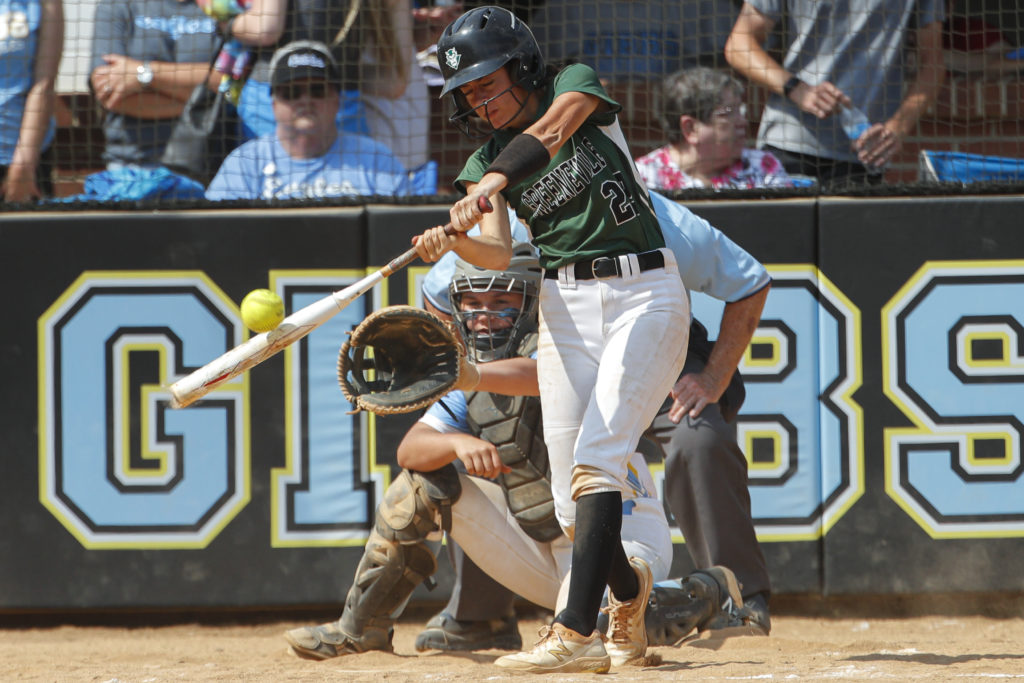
[589, 201]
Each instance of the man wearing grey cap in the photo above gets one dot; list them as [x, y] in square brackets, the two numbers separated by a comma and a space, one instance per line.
[306, 157]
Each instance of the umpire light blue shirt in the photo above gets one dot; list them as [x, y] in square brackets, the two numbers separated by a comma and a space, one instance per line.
[709, 262]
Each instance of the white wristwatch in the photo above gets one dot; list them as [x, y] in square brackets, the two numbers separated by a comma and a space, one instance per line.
[144, 73]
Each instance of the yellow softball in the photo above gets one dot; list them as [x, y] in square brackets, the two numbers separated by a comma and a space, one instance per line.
[262, 310]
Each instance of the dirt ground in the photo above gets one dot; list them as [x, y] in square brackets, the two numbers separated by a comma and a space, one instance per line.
[802, 647]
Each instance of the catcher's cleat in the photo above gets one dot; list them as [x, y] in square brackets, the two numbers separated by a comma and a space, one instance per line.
[445, 632]
[328, 640]
[627, 634]
[561, 650]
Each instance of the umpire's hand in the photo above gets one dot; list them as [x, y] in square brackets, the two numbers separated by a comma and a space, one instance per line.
[693, 392]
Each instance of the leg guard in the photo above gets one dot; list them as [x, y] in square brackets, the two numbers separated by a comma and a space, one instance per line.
[394, 562]
[386, 576]
[706, 599]
[418, 504]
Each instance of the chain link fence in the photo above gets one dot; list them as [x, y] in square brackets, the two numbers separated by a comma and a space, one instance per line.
[938, 82]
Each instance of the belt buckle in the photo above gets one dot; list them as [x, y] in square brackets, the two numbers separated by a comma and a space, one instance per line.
[604, 267]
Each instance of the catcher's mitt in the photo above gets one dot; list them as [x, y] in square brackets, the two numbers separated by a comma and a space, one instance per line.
[417, 359]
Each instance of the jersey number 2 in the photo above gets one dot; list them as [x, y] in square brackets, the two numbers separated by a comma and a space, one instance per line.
[619, 201]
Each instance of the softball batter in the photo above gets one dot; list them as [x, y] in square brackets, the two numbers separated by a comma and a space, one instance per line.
[614, 313]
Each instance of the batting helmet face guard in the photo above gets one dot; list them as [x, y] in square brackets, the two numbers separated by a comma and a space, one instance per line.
[497, 340]
[479, 43]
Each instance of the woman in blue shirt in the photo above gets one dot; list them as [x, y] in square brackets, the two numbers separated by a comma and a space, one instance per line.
[31, 48]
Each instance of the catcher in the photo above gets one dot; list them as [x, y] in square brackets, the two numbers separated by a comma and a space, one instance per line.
[507, 526]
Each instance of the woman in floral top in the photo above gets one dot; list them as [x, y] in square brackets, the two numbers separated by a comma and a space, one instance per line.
[706, 122]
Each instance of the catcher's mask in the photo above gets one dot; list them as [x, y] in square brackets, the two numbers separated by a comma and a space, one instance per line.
[522, 276]
[479, 43]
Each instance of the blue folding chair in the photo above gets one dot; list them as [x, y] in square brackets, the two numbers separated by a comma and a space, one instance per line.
[967, 168]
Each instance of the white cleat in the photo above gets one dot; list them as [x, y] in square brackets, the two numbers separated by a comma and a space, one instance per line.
[627, 635]
[561, 650]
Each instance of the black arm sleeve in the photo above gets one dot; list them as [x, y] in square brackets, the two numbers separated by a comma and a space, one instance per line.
[521, 158]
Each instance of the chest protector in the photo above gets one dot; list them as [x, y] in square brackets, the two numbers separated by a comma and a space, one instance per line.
[513, 424]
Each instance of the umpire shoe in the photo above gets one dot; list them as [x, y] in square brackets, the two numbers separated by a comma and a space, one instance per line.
[736, 616]
[627, 634]
[561, 650]
[445, 632]
[755, 615]
[328, 640]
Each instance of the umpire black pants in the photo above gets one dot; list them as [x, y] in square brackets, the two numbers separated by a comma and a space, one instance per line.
[706, 490]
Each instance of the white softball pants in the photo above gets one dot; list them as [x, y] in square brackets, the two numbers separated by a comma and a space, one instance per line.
[609, 352]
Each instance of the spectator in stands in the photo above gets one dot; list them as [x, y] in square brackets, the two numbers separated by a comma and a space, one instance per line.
[306, 157]
[147, 57]
[431, 19]
[393, 86]
[843, 57]
[269, 24]
[706, 122]
[31, 48]
[625, 40]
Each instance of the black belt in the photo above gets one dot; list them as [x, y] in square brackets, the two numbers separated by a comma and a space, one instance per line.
[608, 266]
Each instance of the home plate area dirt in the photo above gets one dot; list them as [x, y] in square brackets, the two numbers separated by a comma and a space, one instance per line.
[960, 647]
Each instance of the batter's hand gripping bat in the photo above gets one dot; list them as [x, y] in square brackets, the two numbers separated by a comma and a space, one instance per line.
[194, 386]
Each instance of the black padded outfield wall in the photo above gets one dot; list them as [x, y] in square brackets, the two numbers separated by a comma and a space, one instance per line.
[881, 421]
[940, 287]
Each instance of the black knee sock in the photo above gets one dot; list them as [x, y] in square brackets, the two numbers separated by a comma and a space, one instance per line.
[622, 579]
[597, 560]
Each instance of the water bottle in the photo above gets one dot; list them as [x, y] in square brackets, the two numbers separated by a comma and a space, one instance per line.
[854, 122]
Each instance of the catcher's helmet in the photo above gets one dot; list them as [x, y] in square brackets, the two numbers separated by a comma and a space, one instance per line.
[522, 276]
[482, 41]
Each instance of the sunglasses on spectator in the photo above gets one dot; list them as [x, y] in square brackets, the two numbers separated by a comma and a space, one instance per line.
[294, 91]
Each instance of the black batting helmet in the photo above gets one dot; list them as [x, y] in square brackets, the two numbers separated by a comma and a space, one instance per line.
[482, 41]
